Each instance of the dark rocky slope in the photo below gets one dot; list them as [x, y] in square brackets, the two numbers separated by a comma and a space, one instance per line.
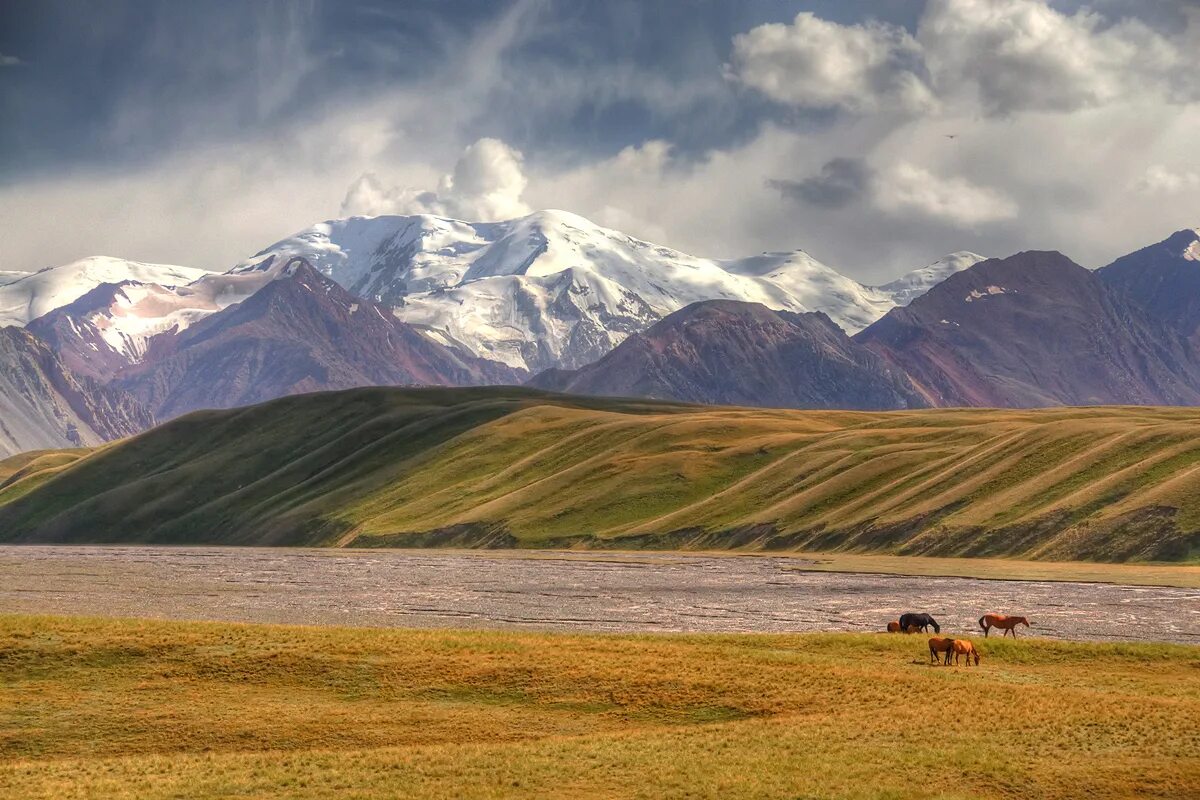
[44, 405]
[299, 333]
[1035, 330]
[732, 353]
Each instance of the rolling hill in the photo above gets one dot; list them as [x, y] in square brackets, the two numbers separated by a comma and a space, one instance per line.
[517, 467]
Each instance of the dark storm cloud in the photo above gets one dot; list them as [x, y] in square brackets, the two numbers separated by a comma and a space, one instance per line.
[123, 82]
[196, 133]
[840, 182]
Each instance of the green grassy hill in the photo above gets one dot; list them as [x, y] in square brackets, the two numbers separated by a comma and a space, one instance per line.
[513, 467]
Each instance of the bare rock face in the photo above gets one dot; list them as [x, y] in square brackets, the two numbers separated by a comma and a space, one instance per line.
[734, 353]
[44, 405]
[1033, 330]
[300, 333]
[1164, 279]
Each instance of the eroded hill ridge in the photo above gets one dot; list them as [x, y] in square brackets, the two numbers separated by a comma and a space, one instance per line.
[519, 468]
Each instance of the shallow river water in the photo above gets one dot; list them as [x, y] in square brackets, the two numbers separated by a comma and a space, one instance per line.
[642, 592]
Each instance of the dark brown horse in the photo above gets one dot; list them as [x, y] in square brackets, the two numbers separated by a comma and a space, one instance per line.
[940, 644]
[1006, 624]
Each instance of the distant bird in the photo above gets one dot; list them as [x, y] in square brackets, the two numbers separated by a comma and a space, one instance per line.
[950, 135]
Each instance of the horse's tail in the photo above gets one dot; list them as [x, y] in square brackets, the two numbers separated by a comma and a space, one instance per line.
[981, 623]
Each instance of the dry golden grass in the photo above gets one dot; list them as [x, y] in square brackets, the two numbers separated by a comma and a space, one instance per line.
[136, 709]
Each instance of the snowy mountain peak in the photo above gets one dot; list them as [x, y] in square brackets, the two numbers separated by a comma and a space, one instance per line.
[553, 288]
[912, 285]
[1191, 244]
[36, 294]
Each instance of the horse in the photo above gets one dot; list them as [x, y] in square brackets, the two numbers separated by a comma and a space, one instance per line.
[1006, 624]
[912, 629]
[940, 644]
[922, 621]
[893, 627]
[964, 647]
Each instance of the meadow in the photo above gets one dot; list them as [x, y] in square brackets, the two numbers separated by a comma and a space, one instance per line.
[518, 468]
[141, 709]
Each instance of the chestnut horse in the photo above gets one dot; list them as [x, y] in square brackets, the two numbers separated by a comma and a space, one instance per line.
[893, 627]
[963, 647]
[1006, 624]
[940, 644]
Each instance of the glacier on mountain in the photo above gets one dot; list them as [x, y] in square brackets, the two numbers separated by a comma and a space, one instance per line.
[552, 289]
[30, 296]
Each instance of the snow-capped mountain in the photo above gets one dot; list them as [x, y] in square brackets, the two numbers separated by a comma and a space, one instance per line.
[111, 326]
[30, 296]
[554, 290]
[907, 288]
[547, 290]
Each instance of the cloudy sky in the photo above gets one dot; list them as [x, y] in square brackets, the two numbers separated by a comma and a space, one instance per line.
[877, 136]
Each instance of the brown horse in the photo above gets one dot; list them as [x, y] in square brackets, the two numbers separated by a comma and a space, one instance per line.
[893, 627]
[963, 647]
[1006, 624]
[940, 644]
[913, 629]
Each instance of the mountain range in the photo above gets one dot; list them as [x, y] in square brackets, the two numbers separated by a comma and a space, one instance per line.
[568, 305]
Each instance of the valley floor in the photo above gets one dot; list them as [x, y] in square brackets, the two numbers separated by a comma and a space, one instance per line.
[619, 592]
[1007, 569]
[139, 709]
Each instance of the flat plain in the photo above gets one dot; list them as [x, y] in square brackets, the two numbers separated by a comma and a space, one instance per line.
[634, 592]
[141, 709]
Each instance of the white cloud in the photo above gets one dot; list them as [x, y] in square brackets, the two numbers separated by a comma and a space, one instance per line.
[1023, 55]
[9, 61]
[814, 63]
[907, 188]
[1008, 57]
[485, 186]
[1157, 179]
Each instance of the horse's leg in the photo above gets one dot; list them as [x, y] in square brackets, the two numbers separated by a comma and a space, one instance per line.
[986, 630]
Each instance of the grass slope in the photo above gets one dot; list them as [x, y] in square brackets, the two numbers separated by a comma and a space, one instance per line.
[518, 467]
[137, 709]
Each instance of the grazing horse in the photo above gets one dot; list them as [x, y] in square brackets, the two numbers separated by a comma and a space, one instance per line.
[893, 627]
[922, 621]
[1006, 624]
[912, 629]
[963, 647]
[940, 644]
